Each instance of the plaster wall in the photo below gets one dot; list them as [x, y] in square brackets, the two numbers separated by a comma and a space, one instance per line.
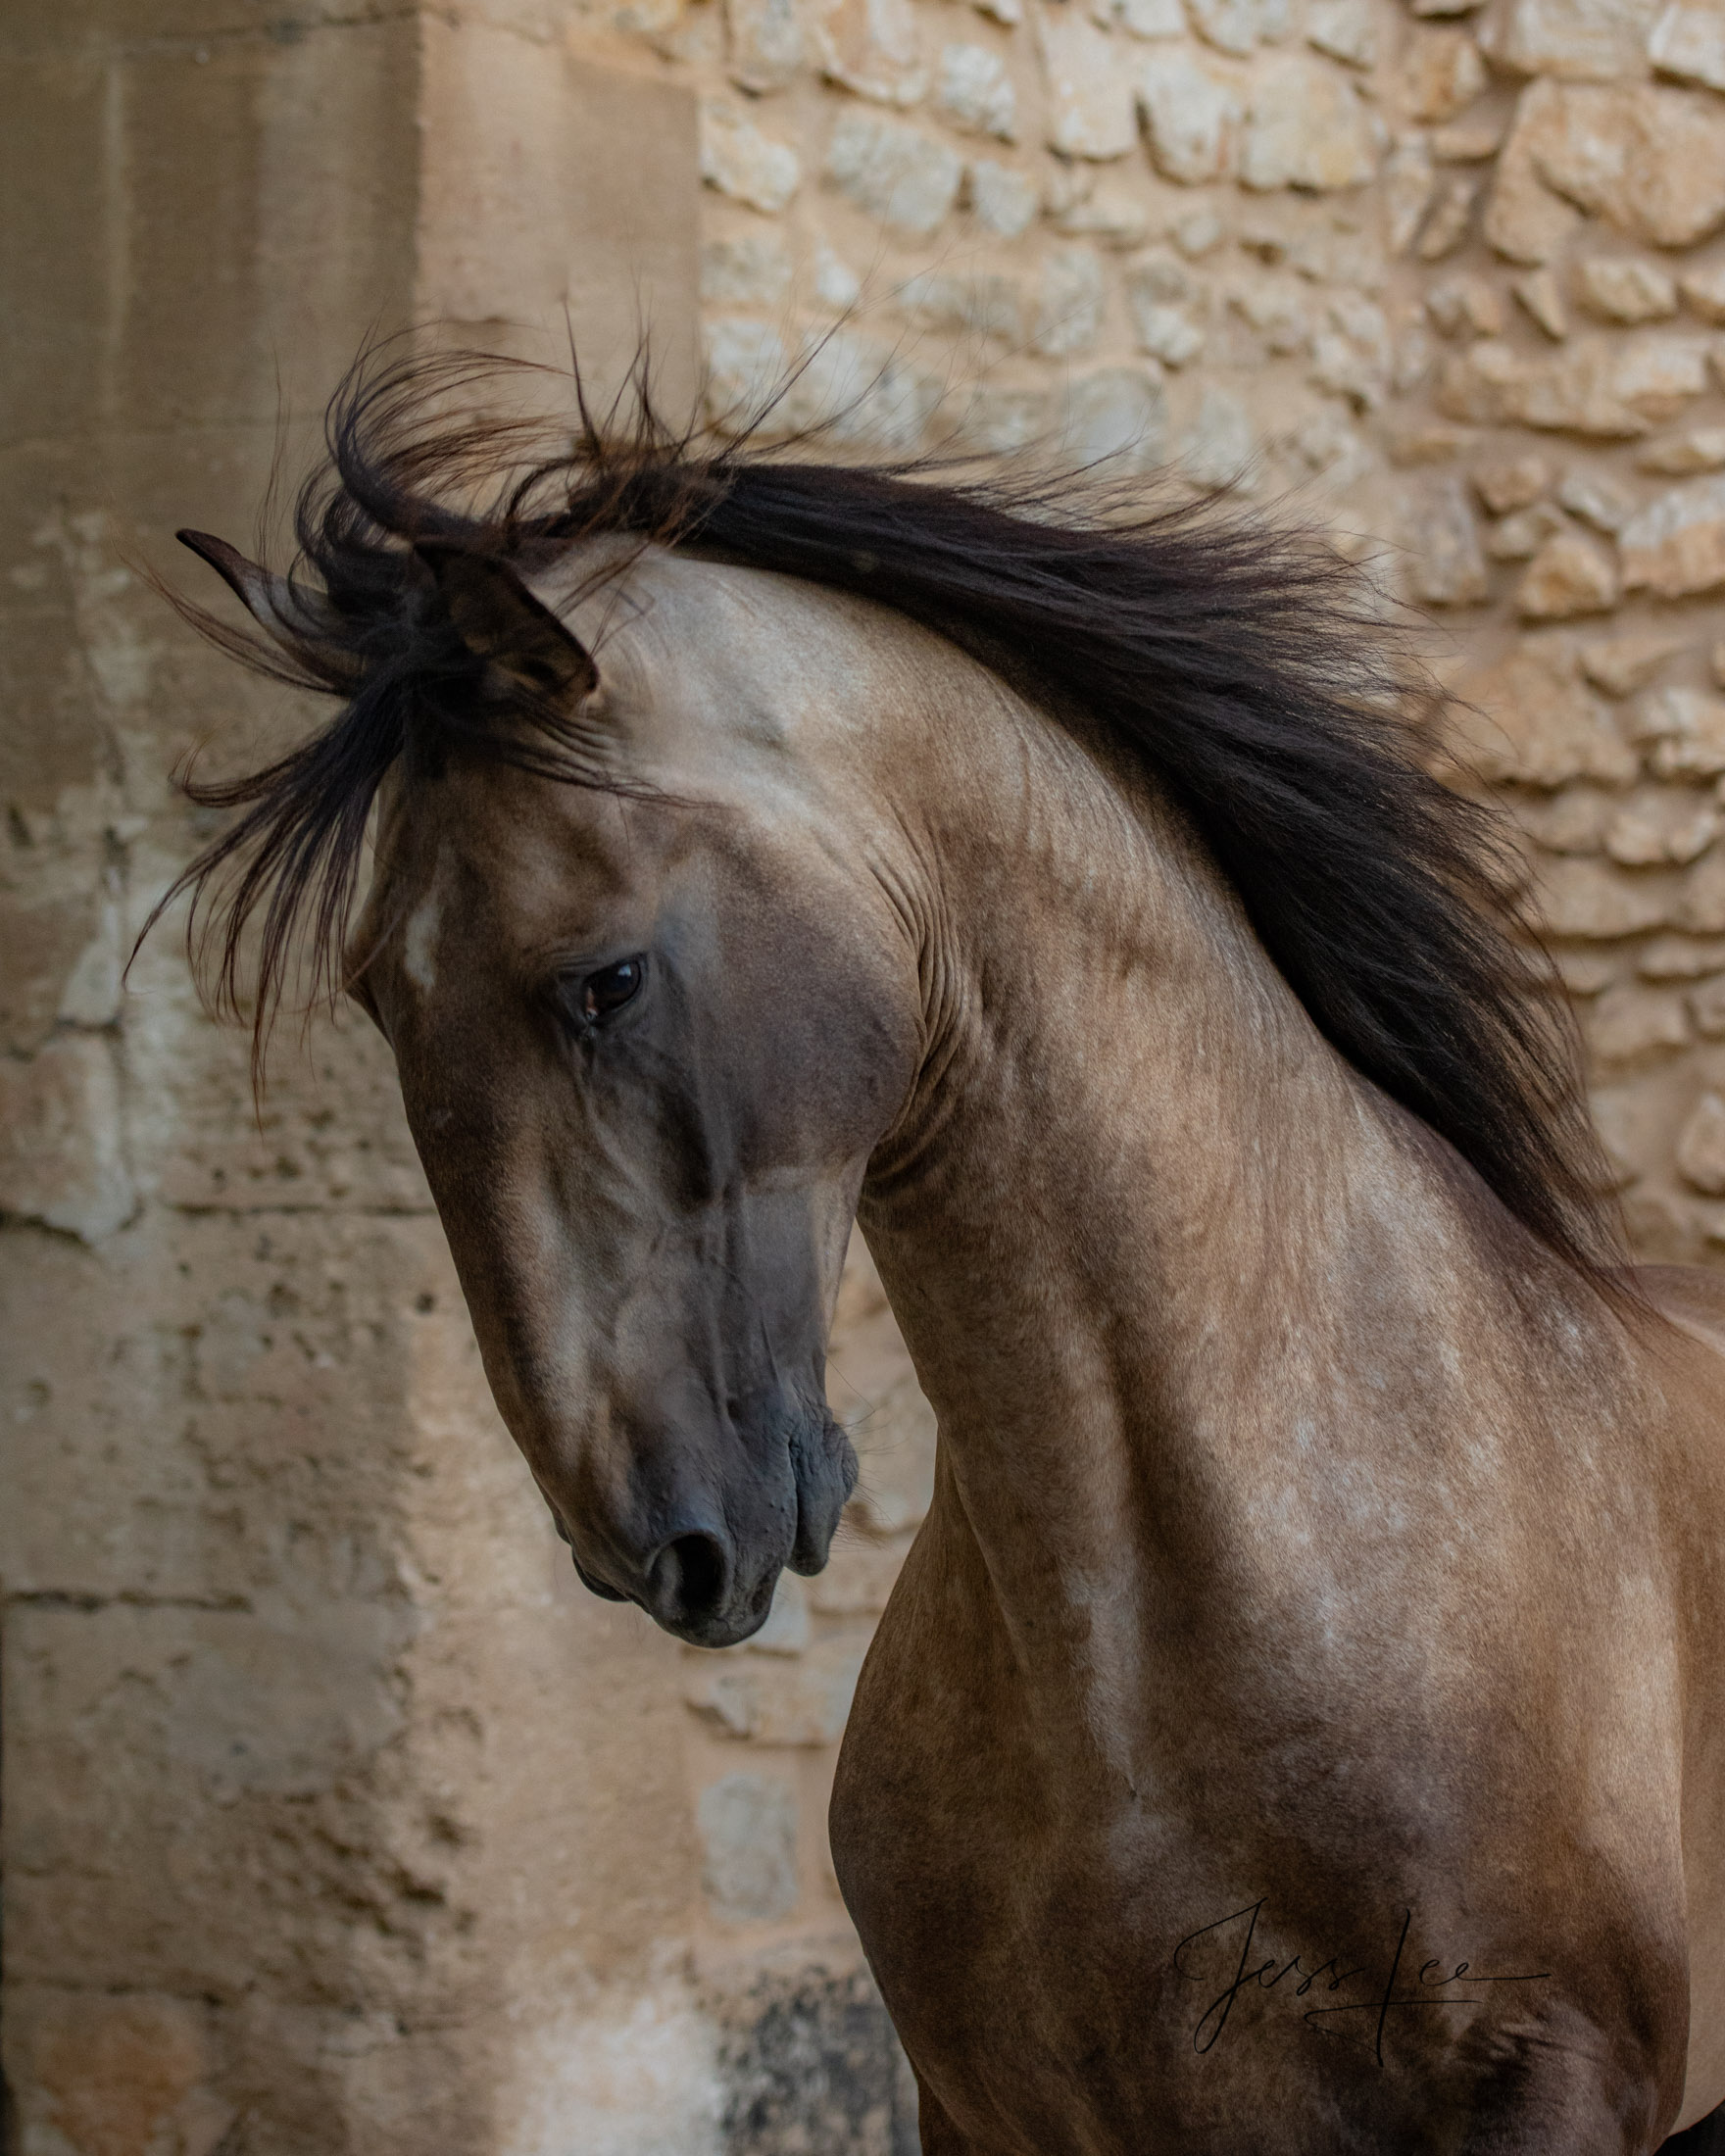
[334, 1816]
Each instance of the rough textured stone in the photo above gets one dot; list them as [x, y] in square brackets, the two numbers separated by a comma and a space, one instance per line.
[1707, 1005]
[1068, 302]
[1572, 821]
[1681, 958]
[1237, 26]
[799, 1701]
[1657, 376]
[1160, 292]
[1677, 543]
[1306, 126]
[747, 364]
[749, 1832]
[1523, 532]
[1352, 354]
[1701, 1147]
[1406, 181]
[61, 1154]
[893, 170]
[1197, 233]
[1631, 1024]
[1571, 574]
[857, 1578]
[1650, 161]
[120, 2074]
[1440, 75]
[738, 159]
[44, 935]
[1445, 565]
[1687, 730]
[1542, 297]
[1468, 142]
[1147, 19]
[1583, 40]
[811, 2067]
[1331, 449]
[1112, 211]
[754, 269]
[859, 391]
[872, 47]
[1193, 119]
[1090, 91]
[974, 91]
[1117, 418]
[1592, 387]
[1003, 200]
[998, 417]
[1701, 449]
[1594, 904]
[1535, 723]
[1597, 499]
[1278, 309]
[1512, 482]
[1704, 291]
[837, 287]
[1217, 449]
[1701, 906]
[1524, 220]
[1587, 972]
[974, 302]
[1346, 30]
[1448, 218]
[1662, 829]
[764, 43]
[1618, 1119]
[1625, 288]
[1621, 665]
[1689, 41]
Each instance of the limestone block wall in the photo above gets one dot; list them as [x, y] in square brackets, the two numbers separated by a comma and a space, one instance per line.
[335, 1818]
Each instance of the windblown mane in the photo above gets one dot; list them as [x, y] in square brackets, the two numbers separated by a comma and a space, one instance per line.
[1239, 661]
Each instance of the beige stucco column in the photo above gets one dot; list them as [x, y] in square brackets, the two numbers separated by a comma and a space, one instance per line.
[335, 1819]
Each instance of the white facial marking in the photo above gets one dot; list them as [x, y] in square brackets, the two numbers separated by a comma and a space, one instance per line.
[420, 944]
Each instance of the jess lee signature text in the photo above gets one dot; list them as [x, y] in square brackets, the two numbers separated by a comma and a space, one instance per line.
[1435, 1985]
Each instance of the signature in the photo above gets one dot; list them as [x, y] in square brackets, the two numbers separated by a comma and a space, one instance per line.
[1420, 1988]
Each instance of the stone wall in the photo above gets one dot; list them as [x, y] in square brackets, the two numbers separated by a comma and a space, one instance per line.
[335, 1818]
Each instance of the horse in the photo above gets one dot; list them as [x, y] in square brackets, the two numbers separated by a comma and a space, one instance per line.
[1300, 1724]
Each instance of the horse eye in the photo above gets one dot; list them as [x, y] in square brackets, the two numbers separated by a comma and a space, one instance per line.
[611, 988]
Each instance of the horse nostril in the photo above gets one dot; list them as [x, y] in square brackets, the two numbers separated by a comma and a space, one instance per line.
[688, 1578]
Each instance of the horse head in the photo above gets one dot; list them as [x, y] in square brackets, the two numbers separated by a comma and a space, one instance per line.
[651, 1014]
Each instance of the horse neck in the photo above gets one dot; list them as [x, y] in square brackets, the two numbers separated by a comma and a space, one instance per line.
[1138, 1213]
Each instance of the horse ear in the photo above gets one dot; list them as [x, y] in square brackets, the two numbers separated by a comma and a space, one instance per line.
[271, 600]
[499, 620]
[297, 620]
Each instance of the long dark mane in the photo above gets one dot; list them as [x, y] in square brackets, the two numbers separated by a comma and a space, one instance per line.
[1241, 663]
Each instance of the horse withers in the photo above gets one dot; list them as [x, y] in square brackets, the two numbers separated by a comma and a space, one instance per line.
[1298, 1725]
